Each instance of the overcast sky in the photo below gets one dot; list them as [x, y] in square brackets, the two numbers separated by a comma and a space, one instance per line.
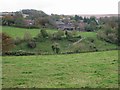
[63, 6]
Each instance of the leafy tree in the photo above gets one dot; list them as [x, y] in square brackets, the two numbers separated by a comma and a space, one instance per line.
[19, 20]
[68, 34]
[112, 21]
[44, 33]
[77, 18]
[33, 13]
[41, 21]
[87, 27]
[108, 34]
[58, 35]
[8, 20]
[46, 22]
[85, 20]
[81, 18]
[92, 18]
[56, 47]
[7, 42]
[53, 48]
[55, 17]
[41, 36]
[27, 36]
[93, 25]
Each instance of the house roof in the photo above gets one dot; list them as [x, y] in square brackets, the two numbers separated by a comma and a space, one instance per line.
[29, 22]
[59, 22]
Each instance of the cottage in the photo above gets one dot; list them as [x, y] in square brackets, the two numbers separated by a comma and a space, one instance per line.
[68, 27]
[25, 15]
[60, 24]
[29, 22]
[6, 13]
[64, 26]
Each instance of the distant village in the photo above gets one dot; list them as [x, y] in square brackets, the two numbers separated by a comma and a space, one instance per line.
[61, 22]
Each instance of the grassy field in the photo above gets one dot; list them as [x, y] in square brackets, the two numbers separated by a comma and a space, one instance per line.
[94, 70]
[19, 32]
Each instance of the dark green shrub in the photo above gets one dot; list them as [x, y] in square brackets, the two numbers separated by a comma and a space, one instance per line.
[79, 37]
[57, 50]
[56, 47]
[44, 33]
[31, 44]
[53, 48]
[58, 35]
[18, 53]
[39, 38]
[69, 35]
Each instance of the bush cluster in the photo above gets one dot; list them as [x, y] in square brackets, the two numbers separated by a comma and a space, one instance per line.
[18, 53]
[56, 48]
[58, 35]
[108, 34]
